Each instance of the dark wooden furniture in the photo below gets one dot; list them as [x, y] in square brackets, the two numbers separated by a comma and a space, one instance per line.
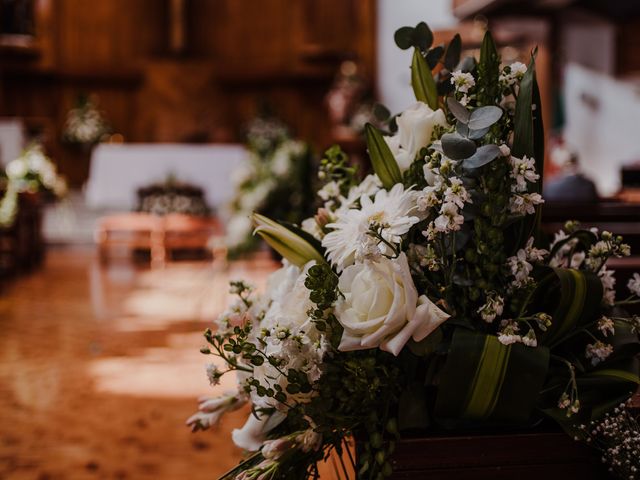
[524, 456]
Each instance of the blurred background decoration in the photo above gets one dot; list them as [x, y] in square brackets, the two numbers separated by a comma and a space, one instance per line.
[139, 110]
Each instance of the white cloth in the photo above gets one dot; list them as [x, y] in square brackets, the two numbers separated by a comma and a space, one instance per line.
[118, 170]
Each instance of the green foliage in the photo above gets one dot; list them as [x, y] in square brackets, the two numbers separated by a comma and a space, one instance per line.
[382, 160]
[424, 86]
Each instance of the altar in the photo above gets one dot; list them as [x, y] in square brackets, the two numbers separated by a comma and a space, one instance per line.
[118, 170]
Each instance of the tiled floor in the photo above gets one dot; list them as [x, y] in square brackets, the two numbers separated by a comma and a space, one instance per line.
[99, 368]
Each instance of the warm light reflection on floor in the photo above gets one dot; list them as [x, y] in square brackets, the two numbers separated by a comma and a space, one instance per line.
[100, 367]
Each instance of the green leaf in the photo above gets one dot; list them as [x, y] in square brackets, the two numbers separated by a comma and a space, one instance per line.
[422, 36]
[487, 85]
[572, 296]
[523, 143]
[457, 147]
[486, 382]
[484, 117]
[452, 56]
[404, 37]
[424, 86]
[458, 110]
[381, 112]
[382, 160]
[434, 55]
[485, 154]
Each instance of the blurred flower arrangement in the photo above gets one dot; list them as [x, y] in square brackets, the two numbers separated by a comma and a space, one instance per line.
[172, 196]
[31, 172]
[275, 181]
[422, 297]
[85, 124]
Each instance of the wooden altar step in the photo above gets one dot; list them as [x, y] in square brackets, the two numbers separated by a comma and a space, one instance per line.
[528, 456]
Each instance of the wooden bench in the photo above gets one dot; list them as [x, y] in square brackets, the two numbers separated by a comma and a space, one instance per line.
[159, 235]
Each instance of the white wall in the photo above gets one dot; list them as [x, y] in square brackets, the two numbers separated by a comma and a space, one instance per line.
[394, 79]
[603, 125]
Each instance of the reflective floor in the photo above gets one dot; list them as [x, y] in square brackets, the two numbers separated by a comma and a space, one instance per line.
[99, 368]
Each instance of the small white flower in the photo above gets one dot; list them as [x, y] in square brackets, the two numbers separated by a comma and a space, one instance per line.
[598, 352]
[213, 374]
[523, 171]
[530, 339]
[606, 326]
[429, 197]
[456, 193]
[492, 308]
[212, 409]
[449, 219]
[515, 73]
[309, 440]
[462, 81]
[634, 285]
[505, 151]
[509, 333]
[330, 190]
[608, 285]
[524, 203]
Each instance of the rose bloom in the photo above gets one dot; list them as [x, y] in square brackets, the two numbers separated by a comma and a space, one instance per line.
[415, 126]
[381, 307]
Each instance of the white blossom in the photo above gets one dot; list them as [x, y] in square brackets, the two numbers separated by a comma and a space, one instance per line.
[608, 285]
[598, 352]
[492, 308]
[524, 203]
[523, 171]
[456, 193]
[393, 212]
[449, 219]
[462, 81]
[634, 285]
[329, 190]
[606, 326]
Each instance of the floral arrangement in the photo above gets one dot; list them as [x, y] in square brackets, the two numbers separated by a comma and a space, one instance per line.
[275, 181]
[85, 124]
[172, 196]
[422, 297]
[33, 171]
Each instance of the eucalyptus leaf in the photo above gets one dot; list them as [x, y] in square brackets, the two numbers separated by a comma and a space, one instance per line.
[457, 147]
[383, 162]
[424, 86]
[478, 134]
[485, 154]
[381, 112]
[452, 57]
[458, 110]
[422, 36]
[404, 37]
[434, 55]
[484, 117]
[467, 64]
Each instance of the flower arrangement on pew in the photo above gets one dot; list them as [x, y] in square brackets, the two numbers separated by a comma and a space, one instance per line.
[275, 181]
[421, 297]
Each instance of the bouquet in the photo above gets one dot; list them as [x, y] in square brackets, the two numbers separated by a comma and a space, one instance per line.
[33, 171]
[422, 298]
[85, 124]
[274, 181]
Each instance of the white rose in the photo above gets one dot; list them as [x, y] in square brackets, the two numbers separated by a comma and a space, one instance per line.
[415, 126]
[381, 307]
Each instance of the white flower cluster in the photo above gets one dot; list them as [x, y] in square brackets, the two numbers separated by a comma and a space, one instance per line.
[463, 82]
[34, 170]
[598, 351]
[447, 195]
[510, 333]
[85, 125]
[520, 264]
[492, 308]
[512, 74]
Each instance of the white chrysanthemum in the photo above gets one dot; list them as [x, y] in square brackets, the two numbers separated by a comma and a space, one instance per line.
[369, 186]
[392, 211]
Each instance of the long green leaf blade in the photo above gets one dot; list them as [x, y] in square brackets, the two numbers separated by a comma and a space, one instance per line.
[382, 160]
[424, 86]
